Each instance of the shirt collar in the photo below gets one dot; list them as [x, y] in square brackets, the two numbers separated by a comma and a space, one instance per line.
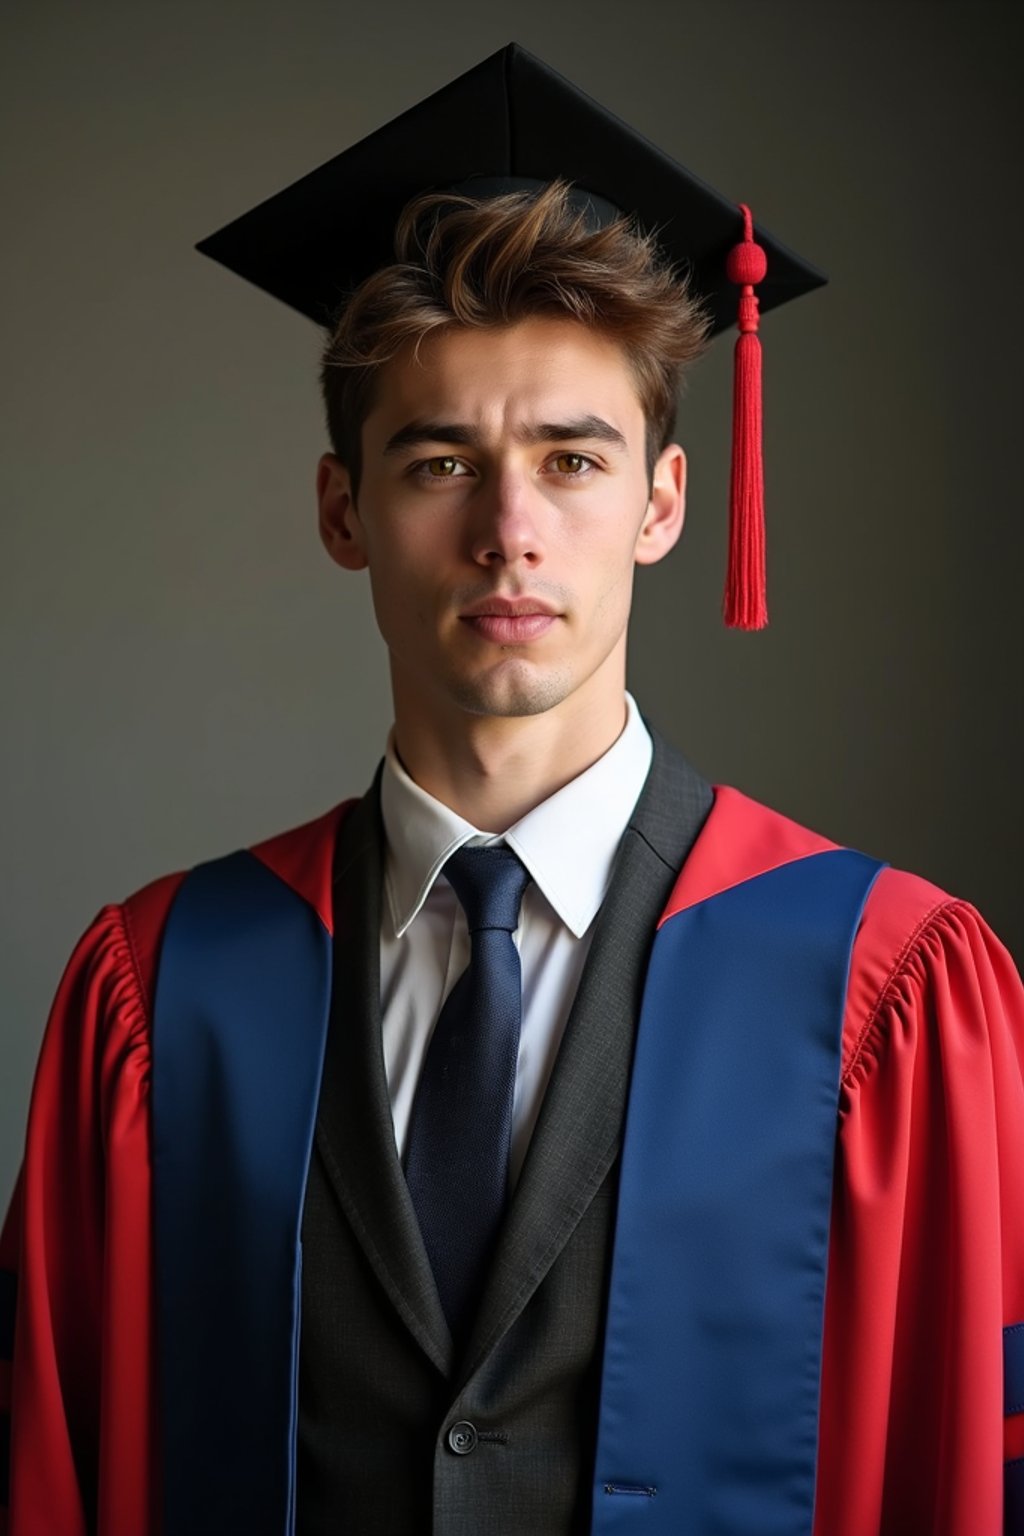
[568, 842]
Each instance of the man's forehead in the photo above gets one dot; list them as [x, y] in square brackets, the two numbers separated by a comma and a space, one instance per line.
[553, 343]
[495, 383]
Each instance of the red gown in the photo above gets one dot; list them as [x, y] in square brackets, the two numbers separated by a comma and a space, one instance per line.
[926, 1256]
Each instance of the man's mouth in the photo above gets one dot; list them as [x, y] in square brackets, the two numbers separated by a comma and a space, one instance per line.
[510, 620]
[510, 629]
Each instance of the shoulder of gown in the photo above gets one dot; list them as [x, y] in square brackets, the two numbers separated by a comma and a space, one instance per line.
[301, 856]
[76, 1316]
[925, 967]
[926, 1264]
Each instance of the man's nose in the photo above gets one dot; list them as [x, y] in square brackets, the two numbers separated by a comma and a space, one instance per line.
[507, 524]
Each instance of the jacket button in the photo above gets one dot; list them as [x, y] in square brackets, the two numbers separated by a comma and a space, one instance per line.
[462, 1438]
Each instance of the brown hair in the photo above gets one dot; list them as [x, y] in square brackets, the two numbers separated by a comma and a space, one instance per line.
[493, 262]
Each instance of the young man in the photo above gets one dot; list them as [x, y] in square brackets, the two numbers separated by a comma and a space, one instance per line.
[546, 1141]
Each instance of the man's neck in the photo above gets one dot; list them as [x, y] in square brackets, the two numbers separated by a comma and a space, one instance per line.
[492, 771]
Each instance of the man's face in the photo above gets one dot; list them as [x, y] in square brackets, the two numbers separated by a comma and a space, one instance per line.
[505, 466]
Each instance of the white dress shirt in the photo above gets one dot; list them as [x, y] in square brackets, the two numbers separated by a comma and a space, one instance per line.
[568, 844]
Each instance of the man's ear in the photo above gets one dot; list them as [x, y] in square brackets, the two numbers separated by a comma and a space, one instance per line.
[340, 527]
[666, 510]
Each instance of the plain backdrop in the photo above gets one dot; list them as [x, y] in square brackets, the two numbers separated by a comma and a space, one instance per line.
[183, 669]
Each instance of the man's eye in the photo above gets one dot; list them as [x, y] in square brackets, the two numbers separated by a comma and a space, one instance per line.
[576, 460]
[429, 469]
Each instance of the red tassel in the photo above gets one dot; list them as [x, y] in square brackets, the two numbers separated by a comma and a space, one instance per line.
[746, 605]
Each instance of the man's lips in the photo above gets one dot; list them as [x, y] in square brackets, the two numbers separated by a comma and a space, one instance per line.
[510, 620]
[510, 629]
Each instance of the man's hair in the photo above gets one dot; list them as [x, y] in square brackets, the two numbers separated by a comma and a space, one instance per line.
[470, 262]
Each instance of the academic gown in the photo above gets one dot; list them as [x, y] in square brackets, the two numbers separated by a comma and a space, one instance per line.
[925, 1273]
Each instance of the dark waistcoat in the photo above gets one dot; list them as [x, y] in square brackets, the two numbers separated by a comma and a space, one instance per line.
[383, 1403]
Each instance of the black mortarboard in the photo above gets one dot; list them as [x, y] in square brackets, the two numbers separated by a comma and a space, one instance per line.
[513, 120]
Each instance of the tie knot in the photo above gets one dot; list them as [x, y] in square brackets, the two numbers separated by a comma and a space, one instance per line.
[489, 883]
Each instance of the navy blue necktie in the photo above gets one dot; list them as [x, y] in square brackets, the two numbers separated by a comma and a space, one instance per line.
[456, 1159]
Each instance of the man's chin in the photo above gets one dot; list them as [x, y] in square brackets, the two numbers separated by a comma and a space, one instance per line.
[509, 692]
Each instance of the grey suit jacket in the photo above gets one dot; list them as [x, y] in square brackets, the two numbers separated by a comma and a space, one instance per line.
[380, 1389]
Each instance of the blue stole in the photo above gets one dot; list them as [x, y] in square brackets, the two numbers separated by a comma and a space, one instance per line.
[712, 1356]
[709, 1393]
[239, 1029]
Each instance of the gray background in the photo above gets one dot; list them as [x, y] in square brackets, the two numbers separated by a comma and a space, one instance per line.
[184, 671]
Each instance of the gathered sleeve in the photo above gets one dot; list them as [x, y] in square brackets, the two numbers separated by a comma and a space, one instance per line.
[926, 1265]
[75, 1281]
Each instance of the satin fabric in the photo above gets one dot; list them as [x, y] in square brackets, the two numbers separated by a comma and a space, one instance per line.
[926, 1254]
[712, 1346]
[238, 1033]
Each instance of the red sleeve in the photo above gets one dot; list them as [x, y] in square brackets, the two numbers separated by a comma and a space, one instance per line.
[926, 1263]
[76, 1251]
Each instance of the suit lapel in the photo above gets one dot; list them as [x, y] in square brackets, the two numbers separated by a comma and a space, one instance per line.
[355, 1132]
[578, 1132]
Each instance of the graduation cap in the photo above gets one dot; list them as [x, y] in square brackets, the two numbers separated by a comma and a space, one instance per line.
[512, 122]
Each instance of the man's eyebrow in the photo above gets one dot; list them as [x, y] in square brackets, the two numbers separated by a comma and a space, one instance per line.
[582, 428]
